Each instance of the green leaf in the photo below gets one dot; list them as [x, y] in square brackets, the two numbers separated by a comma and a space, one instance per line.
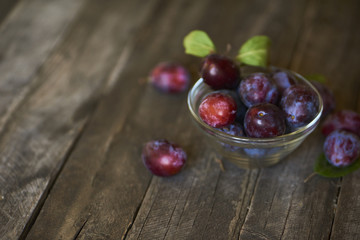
[255, 51]
[198, 43]
[325, 169]
[316, 77]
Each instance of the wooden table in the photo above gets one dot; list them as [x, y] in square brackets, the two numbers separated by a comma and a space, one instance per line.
[75, 110]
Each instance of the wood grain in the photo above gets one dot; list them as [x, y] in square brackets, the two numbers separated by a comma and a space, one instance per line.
[77, 114]
[5, 8]
[40, 134]
[26, 41]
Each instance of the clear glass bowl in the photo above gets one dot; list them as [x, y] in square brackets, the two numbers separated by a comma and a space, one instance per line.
[248, 152]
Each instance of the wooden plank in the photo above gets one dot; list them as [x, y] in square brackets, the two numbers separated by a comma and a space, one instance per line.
[283, 206]
[36, 141]
[5, 8]
[28, 36]
[347, 208]
[109, 182]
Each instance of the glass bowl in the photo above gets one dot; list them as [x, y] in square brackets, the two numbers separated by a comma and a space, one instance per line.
[248, 152]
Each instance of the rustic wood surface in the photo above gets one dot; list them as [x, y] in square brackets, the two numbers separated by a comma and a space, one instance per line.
[75, 110]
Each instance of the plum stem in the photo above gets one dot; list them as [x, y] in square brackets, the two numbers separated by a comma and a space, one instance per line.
[219, 161]
[309, 177]
[228, 48]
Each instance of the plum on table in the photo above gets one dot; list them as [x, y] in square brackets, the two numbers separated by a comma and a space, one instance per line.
[344, 119]
[327, 97]
[163, 158]
[170, 77]
[342, 148]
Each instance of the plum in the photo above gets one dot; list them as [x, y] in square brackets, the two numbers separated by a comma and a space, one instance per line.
[342, 148]
[220, 72]
[170, 77]
[344, 119]
[234, 129]
[300, 104]
[217, 110]
[258, 88]
[327, 97]
[283, 80]
[163, 158]
[264, 120]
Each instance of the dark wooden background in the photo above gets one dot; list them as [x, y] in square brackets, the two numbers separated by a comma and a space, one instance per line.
[75, 110]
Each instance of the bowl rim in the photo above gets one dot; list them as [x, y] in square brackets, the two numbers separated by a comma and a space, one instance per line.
[302, 131]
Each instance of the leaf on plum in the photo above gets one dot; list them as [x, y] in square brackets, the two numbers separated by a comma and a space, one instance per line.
[255, 51]
[325, 169]
[316, 77]
[198, 43]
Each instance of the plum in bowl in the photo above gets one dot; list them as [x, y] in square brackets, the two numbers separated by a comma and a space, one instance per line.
[247, 152]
